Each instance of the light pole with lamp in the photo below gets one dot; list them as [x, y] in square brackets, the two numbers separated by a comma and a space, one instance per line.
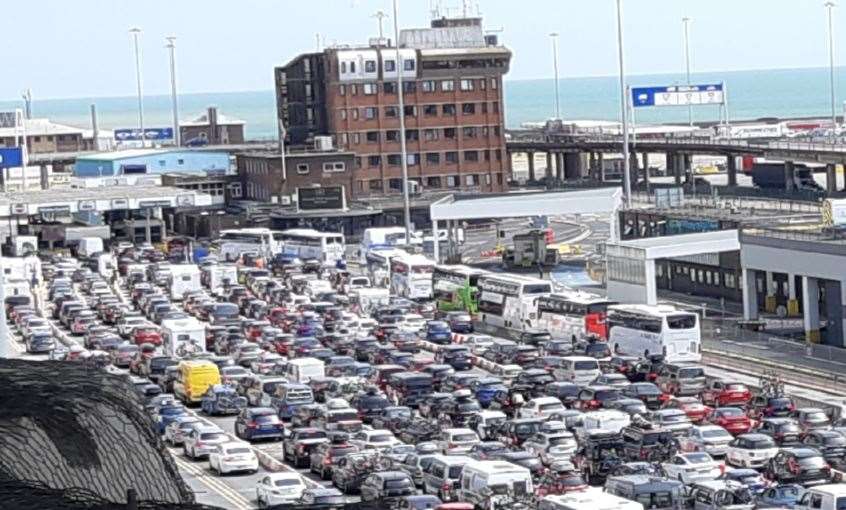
[171, 45]
[627, 182]
[400, 67]
[554, 36]
[830, 8]
[686, 23]
[136, 33]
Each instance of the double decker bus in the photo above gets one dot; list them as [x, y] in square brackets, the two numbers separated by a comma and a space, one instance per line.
[573, 315]
[645, 331]
[308, 244]
[455, 288]
[411, 276]
[508, 301]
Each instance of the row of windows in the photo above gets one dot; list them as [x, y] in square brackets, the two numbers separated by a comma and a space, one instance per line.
[256, 167]
[390, 66]
[433, 158]
[410, 87]
[328, 167]
[413, 135]
[258, 192]
[428, 110]
[50, 138]
[701, 276]
[432, 182]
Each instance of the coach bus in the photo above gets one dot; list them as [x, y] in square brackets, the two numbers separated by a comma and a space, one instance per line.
[231, 244]
[507, 301]
[455, 288]
[378, 265]
[411, 276]
[308, 244]
[645, 331]
[573, 315]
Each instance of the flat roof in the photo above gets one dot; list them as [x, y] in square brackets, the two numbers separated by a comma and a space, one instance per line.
[74, 194]
[132, 153]
[42, 127]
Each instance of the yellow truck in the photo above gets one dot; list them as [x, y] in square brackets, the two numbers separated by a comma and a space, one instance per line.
[194, 380]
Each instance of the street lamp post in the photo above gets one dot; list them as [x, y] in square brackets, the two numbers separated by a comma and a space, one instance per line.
[686, 23]
[627, 182]
[136, 33]
[830, 8]
[171, 45]
[400, 67]
[554, 37]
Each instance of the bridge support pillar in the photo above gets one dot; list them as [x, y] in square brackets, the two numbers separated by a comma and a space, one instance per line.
[645, 157]
[731, 170]
[750, 295]
[592, 165]
[573, 168]
[600, 163]
[531, 156]
[674, 167]
[788, 175]
[548, 172]
[687, 161]
[811, 312]
[831, 178]
[634, 166]
[559, 166]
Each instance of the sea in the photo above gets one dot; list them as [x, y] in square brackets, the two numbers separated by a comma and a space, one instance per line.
[751, 95]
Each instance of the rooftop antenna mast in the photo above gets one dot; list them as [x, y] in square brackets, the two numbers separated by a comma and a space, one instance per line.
[380, 15]
[317, 38]
[27, 97]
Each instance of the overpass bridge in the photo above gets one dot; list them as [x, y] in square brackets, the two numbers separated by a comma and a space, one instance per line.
[564, 153]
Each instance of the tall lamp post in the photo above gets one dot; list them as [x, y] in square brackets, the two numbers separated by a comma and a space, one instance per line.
[624, 111]
[686, 23]
[830, 8]
[554, 36]
[171, 45]
[400, 66]
[136, 33]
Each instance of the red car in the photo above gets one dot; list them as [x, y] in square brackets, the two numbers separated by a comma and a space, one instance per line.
[733, 419]
[146, 335]
[723, 394]
[560, 483]
[692, 407]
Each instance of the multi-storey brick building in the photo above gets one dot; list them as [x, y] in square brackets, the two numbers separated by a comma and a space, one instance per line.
[452, 88]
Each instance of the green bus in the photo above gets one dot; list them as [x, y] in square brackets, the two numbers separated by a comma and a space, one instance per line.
[454, 288]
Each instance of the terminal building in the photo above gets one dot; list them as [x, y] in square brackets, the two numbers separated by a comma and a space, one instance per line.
[150, 161]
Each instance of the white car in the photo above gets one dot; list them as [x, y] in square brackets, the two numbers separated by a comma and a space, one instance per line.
[478, 344]
[751, 450]
[552, 447]
[457, 441]
[279, 489]
[231, 457]
[711, 439]
[692, 467]
[202, 440]
[541, 407]
[674, 420]
[412, 322]
[374, 439]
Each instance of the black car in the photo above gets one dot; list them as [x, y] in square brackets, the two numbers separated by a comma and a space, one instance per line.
[536, 379]
[387, 487]
[392, 418]
[432, 405]
[566, 392]
[325, 456]
[351, 470]
[599, 455]
[784, 431]
[557, 348]
[644, 442]
[805, 466]
[439, 373]
[456, 356]
[460, 410]
[830, 443]
[369, 405]
[297, 447]
[488, 450]
[524, 458]
[647, 392]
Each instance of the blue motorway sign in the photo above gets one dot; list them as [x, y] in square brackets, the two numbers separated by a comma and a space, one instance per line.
[11, 157]
[133, 134]
[678, 95]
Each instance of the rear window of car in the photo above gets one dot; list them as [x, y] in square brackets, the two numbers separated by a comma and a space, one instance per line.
[287, 482]
[267, 418]
[315, 434]
[237, 451]
[455, 472]
[736, 387]
[212, 436]
[399, 483]
[340, 451]
[691, 372]
[585, 365]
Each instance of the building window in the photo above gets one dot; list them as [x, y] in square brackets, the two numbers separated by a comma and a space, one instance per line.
[447, 86]
[498, 155]
[345, 139]
[494, 83]
[409, 87]
[433, 158]
[485, 131]
[448, 109]
[180, 161]
[394, 159]
[353, 89]
[374, 161]
[487, 179]
[449, 133]
[354, 113]
[390, 66]
[412, 159]
[469, 132]
[408, 65]
[496, 131]
[369, 89]
[352, 67]
[395, 184]
[466, 85]
[356, 138]
[162, 163]
[483, 84]
[392, 135]
[499, 179]
[358, 162]
[50, 138]
[468, 108]
[369, 66]
[371, 112]
[433, 182]
[487, 154]
[430, 110]
[495, 106]
[391, 112]
[375, 185]
[412, 135]
[430, 134]
[302, 168]
[471, 155]
[452, 181]
[343, 114]
[451, 158]
[484, 106]
[411, 111]
[235, 189]
[334, 167]
[428, 86]
[471, 180]
[36, 138]
[343, 68]
[389, 87]
[372, 137]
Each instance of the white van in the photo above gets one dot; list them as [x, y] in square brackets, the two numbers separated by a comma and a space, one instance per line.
[106, 265]
[580, 370]
[592, 499]
[217, 275]
[823, 497]
[88, 246]
[303, 370]
[483, 480]
[183, 278]
[186, 334]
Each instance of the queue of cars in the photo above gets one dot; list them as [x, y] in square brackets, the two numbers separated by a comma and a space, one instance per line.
[381, 401]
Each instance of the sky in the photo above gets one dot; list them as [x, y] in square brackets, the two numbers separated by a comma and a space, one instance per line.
[82, 48]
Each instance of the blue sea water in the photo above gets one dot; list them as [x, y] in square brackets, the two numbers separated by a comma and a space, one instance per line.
[751, 95]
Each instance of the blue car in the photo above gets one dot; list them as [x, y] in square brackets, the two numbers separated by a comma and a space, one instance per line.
[166, 414]
[486, 388]
[438, 332]
[221, 399]
[782, 496]
[749, 478]
[259, 423]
